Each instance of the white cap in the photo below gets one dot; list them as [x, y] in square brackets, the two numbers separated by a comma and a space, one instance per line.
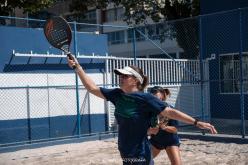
[129, 71]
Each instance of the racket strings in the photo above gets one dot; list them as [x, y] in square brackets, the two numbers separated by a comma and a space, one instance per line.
[60, 34]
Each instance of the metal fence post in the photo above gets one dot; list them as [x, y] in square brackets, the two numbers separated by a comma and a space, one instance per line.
[134, 46]
[48, 108]
[76, 78]
[201, 69]
[28, 115]
[89, 112]
[241, 76]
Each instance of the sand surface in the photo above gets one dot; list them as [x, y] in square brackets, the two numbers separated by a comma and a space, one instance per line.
[193, 152]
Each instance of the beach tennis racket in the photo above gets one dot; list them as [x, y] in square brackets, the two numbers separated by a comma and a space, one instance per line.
[58, 34]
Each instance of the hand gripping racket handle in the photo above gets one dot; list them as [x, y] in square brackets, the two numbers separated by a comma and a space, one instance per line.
[69, 55]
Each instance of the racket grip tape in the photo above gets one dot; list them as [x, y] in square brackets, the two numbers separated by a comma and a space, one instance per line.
[71, 58]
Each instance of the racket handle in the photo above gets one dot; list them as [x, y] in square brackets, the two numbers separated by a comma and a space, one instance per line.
[71, 58]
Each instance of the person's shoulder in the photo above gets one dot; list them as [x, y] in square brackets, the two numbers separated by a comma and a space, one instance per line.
[143, 95]
[110, 92]
[117, 90]
[111, 89]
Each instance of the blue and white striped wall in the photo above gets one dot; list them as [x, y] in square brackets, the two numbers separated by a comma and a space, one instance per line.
[42, 107]
[38, 99]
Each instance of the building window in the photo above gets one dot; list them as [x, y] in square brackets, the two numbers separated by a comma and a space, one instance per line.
[230, 73]
[153, 31]
[110, 15]
[116, 37]
[115, 14]
[90, 15]
[120, 14]
[139, 37]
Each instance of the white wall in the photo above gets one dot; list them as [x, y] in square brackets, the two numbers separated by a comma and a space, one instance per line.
[16, 99]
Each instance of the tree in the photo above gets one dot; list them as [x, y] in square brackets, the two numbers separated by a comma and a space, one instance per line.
[136, 12]
[79, 7]
[184, 31]
[30, 6]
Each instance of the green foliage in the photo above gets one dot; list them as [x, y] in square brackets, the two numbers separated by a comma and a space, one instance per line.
[81, 6]
[185, 32]
[30, 6]
[136, 12]
[139, 10]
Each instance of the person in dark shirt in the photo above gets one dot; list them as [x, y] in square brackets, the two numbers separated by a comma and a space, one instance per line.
[133, 111]
[165, 135]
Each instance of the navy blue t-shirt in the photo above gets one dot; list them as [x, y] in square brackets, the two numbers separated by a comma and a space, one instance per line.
[133, 114]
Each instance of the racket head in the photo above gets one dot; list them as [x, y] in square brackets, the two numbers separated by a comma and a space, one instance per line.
[58, 33]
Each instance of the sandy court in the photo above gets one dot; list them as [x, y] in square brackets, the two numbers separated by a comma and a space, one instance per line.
[194, 152]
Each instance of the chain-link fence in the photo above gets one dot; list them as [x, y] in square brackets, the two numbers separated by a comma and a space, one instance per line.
[199, 59]
[224, 45]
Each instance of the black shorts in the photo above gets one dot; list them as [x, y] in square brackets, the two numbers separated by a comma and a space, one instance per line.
[161, 146]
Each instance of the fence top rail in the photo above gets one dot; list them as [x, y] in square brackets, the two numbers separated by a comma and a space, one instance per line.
[22, 18]
[78, 23]
[107, 57]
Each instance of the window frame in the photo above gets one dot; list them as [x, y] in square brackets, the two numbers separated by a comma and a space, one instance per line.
[237, 70]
